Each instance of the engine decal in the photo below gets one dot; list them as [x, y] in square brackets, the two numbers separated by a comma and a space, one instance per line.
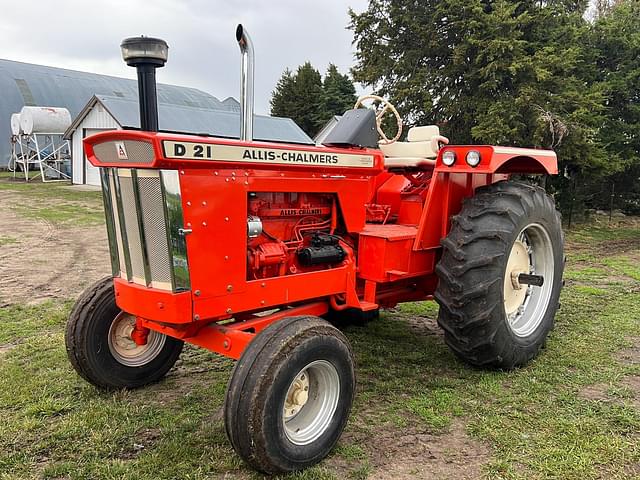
[232, 153]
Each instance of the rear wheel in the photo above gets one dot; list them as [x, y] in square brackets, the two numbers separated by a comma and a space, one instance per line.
[100, 347]
[290, 394]
[500, 275]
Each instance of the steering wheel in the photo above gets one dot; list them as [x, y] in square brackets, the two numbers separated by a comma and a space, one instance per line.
[386, 105]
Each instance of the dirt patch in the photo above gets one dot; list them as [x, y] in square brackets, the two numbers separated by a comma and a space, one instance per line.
[423, 325]
[413, 454]
[617, 247]
[6, 347]
[47, 261]
[143, 440]
[631, 355]
[422, 455]
[627, 391]
[596, 392]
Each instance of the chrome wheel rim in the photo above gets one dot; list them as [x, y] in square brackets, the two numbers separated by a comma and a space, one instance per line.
[125, 350]
[526, 305]
[311, 402]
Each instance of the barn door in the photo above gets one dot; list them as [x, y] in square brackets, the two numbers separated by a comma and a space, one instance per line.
[91, 173]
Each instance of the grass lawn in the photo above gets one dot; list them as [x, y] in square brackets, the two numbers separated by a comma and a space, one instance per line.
[573, 413]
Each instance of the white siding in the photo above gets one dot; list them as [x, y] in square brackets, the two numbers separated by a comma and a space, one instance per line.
[97, 119]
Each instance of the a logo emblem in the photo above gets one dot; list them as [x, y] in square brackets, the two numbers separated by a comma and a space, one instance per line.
[121, 151]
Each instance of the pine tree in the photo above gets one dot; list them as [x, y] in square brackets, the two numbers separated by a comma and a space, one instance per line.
[338, 95]
[307, 95]
[496, 71]
[309, 101]
[282, 96]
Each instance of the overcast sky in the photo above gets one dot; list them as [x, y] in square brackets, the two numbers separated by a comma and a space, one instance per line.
[86, 35]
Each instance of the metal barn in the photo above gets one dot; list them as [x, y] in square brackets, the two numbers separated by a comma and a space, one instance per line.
[105, 112]
[25, 84]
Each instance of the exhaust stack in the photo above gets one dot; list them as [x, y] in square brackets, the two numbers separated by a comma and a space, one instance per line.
[146, 54]
[246, 89]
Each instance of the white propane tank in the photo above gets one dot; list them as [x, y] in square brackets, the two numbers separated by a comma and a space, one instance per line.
[15, 124]
[53, 120]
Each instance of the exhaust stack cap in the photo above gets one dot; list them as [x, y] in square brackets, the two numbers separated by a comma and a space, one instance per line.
[141, 50]
[246, 89]
[146, 54]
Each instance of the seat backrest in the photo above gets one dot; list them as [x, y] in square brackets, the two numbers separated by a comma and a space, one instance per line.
[421, 148]
[423, 134]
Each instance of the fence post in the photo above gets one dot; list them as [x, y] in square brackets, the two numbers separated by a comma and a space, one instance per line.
[613, 191]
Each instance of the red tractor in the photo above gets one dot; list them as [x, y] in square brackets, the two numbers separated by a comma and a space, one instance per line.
[248, 248]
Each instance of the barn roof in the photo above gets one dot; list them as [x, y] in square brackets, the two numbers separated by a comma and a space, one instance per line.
[188, 119]
[28, 84]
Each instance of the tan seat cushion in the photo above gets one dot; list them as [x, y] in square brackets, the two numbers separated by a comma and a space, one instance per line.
[409, 149]
[417, 151]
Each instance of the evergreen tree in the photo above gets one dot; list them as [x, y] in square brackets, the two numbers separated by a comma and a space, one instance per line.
[282, 98]
[309, 101]
[307, 95]
[616, 42]
[298, 96]
[338, 95]
[497, 71]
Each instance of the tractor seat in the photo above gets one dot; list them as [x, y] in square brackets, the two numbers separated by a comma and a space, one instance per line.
[420, 149]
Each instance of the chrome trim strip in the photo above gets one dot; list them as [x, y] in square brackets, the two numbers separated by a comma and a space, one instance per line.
[140, 219]
[175, 222]
[123, 227]
[167, 224]
[108, 214]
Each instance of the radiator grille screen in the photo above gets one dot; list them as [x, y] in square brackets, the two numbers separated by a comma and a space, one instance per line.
[155, 228]
[144, 244]
[131, 226]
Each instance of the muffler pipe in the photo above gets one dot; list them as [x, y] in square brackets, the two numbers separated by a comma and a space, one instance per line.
[246, 88]
[146, 54]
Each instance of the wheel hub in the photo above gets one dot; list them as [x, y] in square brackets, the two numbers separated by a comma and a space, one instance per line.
[124, 348]
[514, 292]
[528, 280]
[297, 396]
[310, 403]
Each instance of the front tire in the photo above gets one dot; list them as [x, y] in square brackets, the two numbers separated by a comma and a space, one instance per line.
[489, 317]
[290, 394]
[100, 349]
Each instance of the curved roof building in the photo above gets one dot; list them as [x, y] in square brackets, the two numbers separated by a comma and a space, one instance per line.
[27, 84]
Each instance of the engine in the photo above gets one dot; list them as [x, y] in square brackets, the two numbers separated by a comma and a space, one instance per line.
[291, 232]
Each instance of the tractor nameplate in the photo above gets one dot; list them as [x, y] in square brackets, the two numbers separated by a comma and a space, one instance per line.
[233, 153]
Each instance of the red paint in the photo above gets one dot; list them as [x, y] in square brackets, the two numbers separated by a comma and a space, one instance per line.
[390, 225]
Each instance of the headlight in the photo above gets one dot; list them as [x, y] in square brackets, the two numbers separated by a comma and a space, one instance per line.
[449, 158]
[473, 158]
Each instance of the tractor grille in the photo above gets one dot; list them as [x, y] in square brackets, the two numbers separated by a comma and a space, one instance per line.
[137, 152]
[144, 223]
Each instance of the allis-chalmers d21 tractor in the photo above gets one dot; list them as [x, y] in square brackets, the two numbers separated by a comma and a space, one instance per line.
[247, 248]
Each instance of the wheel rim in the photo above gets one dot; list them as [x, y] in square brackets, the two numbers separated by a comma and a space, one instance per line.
[125, 350]
[526, 305]
[311, 402]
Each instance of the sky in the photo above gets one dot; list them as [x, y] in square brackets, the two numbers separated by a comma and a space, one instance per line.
[86, 35]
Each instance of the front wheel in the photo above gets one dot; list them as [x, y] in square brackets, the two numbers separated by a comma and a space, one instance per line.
[290, 394]
[100, 347]
[500, 275]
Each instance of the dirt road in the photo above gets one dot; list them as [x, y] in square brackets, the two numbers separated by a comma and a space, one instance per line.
[41, 259]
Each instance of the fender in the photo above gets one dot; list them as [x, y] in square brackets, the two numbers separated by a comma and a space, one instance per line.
[496, 159]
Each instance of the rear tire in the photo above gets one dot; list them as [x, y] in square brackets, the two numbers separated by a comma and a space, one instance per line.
[101, 354]
[489, 318]
[290, 394]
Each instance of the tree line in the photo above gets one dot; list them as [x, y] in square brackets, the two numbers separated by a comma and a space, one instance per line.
[535, 73]
[310, 100]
